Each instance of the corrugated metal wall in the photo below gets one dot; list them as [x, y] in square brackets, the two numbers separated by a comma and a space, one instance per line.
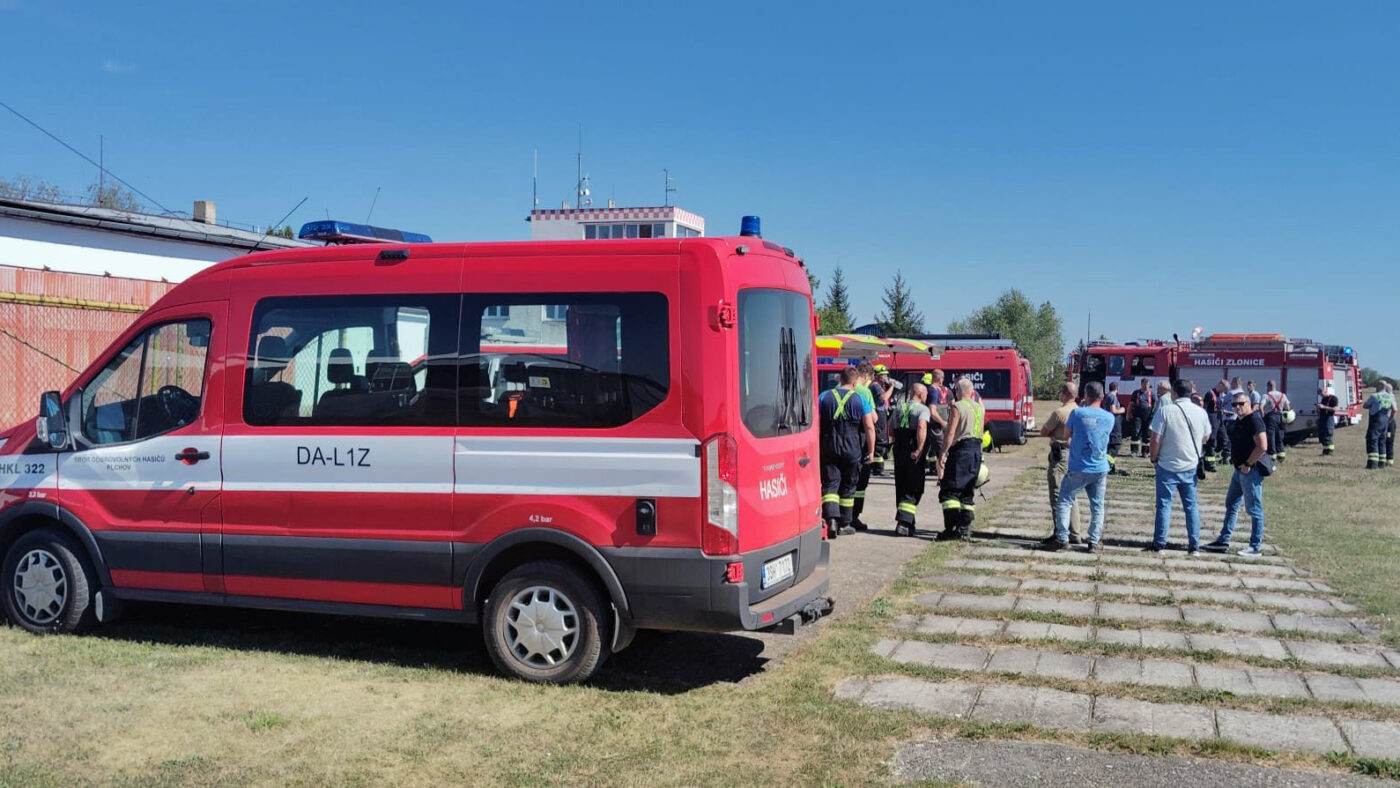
[42, 343]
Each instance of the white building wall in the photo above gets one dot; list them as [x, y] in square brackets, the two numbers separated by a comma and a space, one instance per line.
[34, 244]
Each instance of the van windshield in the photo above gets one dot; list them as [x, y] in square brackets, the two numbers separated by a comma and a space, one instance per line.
[775, 361]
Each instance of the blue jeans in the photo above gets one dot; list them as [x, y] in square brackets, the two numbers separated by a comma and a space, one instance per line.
[1250, 487]
[1092, 483]
[1184, 484]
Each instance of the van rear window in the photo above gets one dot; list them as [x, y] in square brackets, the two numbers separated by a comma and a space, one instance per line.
[568, 360]
[776, 361]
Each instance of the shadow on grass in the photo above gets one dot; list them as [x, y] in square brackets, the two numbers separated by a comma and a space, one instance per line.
[658, 662]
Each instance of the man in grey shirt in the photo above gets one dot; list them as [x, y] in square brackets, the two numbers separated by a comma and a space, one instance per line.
[1179, 428]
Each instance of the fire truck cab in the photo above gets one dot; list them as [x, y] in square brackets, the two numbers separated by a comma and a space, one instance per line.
[1300, 367]
[563, 442]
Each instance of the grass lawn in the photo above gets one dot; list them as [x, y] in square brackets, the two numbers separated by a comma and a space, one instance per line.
[176, 695]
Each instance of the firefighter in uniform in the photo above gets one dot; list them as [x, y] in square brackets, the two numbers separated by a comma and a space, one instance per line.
[866, 374]
[1275, 405]
[1211, 403]
[1390, 431]
[881, 389]
[960, 463]
[1327, 404]
[1139, 431]
[1115, 438]
[938, 401]
[1381, 407]
[843, 433]
[909, 424]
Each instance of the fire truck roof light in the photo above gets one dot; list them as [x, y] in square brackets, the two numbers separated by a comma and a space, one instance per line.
[749, 227]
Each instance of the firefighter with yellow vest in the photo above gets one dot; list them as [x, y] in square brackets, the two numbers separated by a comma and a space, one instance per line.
[960, 463]
[909, 423]
[845, 432]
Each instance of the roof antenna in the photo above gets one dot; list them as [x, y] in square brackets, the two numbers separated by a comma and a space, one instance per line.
[669, 188]
[373, 203]
[535, 189]
[584, 201]
[283, 219]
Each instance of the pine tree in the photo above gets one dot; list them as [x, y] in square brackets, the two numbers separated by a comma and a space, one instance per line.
[835, 313]
[901, 317]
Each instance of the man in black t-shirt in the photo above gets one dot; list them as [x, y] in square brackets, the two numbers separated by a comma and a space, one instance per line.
[1248, 442]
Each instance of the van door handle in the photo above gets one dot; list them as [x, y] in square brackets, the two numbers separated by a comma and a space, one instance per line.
[191, 456]
[804, 461]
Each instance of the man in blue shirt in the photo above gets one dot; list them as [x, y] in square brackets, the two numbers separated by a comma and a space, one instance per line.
[1089, 427]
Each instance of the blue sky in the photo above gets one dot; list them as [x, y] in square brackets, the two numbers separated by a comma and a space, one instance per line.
[1229, 165]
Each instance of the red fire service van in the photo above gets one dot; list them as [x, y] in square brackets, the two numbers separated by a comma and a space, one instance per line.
[1299, 366]
[563, 442]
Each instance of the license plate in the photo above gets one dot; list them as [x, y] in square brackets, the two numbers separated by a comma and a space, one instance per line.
[777, 570]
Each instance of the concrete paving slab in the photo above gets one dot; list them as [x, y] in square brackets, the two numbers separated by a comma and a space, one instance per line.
[973, 581]
[983, 565]
[1144, 638]
[944, 699]
[1039, 585]
[1383, 691]
[1222, 679]
[1278, 684]
[961, 627]
[1039, 706]
[1276, 584]
[885, 647]
[1323, 653]
[1318, 624]
[951, 656]
[1229, 619]
[1080, 608]
[1269, 648]
[1372, 739]
[1295, 604]
[1124, 715]
[1048, 664]
[1329, 686]
[1037, 630]
[852, 689]
[1125, 589]
[1199, 579]
[1149, 672]
[1276, 732]
[977, 602]
[1128, 611]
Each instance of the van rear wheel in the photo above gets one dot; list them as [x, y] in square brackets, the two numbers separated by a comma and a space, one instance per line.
[47, 585]
[544, 623]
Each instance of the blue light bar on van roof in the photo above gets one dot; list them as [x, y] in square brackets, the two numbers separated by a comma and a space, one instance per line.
[334, 232]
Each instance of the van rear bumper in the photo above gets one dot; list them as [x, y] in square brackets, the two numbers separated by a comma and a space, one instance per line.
[684, 589]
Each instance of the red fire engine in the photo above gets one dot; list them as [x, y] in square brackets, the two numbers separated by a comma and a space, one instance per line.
[1299, 366]
[1000, 374]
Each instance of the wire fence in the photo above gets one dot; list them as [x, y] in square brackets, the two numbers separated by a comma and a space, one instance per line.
[53, 324]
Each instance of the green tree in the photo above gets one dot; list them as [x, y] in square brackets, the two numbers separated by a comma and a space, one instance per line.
[113, 195]
[901, 317]
[285, 231]
[23, 188]
[835, 312]
[1037, 331]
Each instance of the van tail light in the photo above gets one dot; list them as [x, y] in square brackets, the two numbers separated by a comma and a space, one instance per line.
[721, 527]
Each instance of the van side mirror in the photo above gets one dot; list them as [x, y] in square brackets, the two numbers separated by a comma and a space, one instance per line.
[52, 426]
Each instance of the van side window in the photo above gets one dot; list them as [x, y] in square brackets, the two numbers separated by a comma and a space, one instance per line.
[1144, 365]
[775, 362]
[353, 361]
[577, 360]
[1115, 366]
[152, 386]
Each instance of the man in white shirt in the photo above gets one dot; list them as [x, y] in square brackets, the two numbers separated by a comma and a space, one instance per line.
[1179, 429]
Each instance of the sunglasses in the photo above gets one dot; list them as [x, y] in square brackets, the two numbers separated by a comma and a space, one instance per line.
[1239, 402]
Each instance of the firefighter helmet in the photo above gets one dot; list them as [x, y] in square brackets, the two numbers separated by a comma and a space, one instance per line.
[984, 475]
[1289, 416]
[986, 439]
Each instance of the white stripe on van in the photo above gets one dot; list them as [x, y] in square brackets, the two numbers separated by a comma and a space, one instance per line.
[410, 464]
[614, 467]
[999, 404]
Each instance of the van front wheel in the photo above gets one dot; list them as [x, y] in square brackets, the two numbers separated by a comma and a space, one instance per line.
[47, 586]
[544, 623]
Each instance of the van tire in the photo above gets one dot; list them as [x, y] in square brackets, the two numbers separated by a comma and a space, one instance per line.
[566, 601]
[65, 604]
